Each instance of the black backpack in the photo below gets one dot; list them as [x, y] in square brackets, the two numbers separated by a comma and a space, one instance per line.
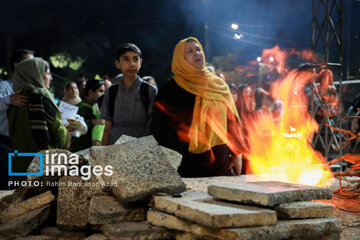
[144, 94]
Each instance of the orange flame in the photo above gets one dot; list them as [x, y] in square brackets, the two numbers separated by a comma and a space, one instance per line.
[275, 57]
[280, 148]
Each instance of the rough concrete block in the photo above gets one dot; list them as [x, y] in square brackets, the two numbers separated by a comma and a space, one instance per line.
[304, 210]
[74, 201]
[24, 224]
[319, 228]
[140, 169]
[193, 206]
[135, 230]
[268, 193]
[28, 205]
[107, 209]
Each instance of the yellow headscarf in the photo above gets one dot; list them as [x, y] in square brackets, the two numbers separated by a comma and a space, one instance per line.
[213, 98]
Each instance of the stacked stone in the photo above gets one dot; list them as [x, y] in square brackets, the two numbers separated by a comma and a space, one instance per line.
[102, 207]
[248, 210]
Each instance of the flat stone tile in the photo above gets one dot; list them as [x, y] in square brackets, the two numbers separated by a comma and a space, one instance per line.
[60, 234]
[193, 206]
[74, 201]
[24, 224]
[97, 236]
[140, 169]
[304, 210]
[36, 237]
[28, 205]
[107, 209]
[172, 156]
[319, 228]
[136, 230]
[268, 193]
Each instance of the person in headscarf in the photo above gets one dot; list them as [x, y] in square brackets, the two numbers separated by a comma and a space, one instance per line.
[37, 125]
[195, 115]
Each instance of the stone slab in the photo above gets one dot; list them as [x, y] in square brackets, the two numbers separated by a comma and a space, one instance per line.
[97, 236]
[136, 230]
[36, 237]
[304, 210]
[194, 207]
[17, 196]
[74, 201]
[24, 224]
[140, 169]
[172, 156]
[62, 234]
[28, 205]
[320, 228]
[107, 209]
[268, 193]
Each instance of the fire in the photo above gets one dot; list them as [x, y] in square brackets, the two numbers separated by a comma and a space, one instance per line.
[280, 148]
[275, 57]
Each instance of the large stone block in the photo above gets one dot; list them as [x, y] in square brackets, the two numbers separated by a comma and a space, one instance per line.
[107, 209]
[59, 234]
[320, 228]
[172, 156]
[195, 206]
[97, 236]
[74, 201]
[268, 193]
[140, 169]
[24, 224]
[28, 205]
[135, 230]
[36, 237]
[17, 196]
[304, 210]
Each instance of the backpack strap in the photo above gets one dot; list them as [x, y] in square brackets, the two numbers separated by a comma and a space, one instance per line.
[144, 94]
[145, 98]
[112, 94]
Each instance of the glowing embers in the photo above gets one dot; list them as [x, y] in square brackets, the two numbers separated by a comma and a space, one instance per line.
[280, 147]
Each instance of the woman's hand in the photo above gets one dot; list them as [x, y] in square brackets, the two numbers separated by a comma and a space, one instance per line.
[18, 99]
[235, 165]
[98, 121]
[70, 129]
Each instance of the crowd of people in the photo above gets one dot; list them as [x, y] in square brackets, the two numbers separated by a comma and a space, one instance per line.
[196, 113]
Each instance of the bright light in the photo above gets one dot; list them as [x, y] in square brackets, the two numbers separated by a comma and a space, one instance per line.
[234, 26]
[258, 59]
[238, 36]
[271, 59]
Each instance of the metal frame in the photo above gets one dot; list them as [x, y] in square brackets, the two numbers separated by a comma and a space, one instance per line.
[327, 31]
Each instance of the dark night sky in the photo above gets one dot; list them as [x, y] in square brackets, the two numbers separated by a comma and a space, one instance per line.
[94, 28]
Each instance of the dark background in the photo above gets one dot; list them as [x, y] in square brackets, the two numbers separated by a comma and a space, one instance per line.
[92, 29]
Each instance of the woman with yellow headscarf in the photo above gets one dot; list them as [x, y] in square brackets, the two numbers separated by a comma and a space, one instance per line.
[195, 115]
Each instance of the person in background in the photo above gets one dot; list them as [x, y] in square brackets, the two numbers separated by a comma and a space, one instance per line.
[107, 81]
[234, 92]
[81, 87]
[71, 94]
[127, 105]
[37, 125]
[7, 98]
[195, 115]
[93, 91]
